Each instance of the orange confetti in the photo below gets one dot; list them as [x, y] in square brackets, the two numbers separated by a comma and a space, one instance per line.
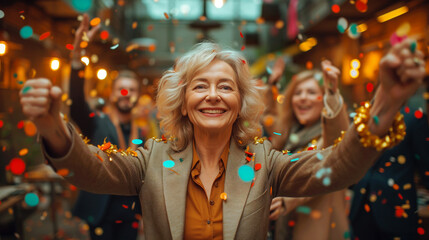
[72, 187]
[99, 157]
[44, 36]
[388, 164]
[23, 152]
[121, 3]
[309, 65]
[367, 208]
[63, 172]
[83, 44]
[152, 48]
[134, 25]
[150, 27]
[396, 186]
[30, 129]
[166, 15]
[223, 196]
[95, 21]
[257, 166]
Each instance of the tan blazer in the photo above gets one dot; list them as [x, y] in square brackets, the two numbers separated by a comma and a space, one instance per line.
[245, 212]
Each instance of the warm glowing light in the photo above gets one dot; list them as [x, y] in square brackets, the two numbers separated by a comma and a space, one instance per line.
[3, 48]
[354, 73]
[355, 64]
[362, 27]
[101, 74]
[85, 60]
[55, 64]
[307, 44]
[218, 3]
[392, 14]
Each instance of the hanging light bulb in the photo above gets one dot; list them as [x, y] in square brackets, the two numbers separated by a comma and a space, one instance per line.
[218, 3]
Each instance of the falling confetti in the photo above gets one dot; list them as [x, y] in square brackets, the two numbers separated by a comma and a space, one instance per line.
[1, 14]
[168, 164]
[91, 115]
[20, 124]
[137, 141]
[335, 8]
[23, 152]
[303, 209]
[294, 160]
[30, 129]
[95, 21]
[319, 156]
[135, 225]
[26, 89]
[44, 36]
[114, 46]
[63, 172]
[413, 46]
[124, 92]
[223, 196]
[69, 46]
[257, 166]
[403, 30]
[166, 15]
[370, 87]
[17, 166]
[246, 173]
[31, 199]
[326, 181]
[361, 6]
[401, 159]
[98, 231]
[276, 133]
[82, 5]
[342, 25]
[104, 35]
[353, 31]
[26, 32]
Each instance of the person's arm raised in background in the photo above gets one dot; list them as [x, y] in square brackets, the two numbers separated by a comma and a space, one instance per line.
[79, 109]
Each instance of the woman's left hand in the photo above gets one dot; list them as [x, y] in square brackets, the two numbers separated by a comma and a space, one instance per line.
[331, 74]
[276, 209]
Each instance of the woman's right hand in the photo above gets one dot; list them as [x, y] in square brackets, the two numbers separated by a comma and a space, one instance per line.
[83, 34]
[41, 102]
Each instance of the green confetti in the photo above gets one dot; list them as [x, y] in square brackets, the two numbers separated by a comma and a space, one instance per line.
[376, 120]
[26, 89]
[413, 47]
[303, 209]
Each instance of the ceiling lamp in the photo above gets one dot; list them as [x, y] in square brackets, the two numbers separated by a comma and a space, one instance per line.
[218, 3]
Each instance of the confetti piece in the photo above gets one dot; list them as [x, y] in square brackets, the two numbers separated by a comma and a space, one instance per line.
[395, 186]
[95, 21]
[418, 114]
[124, 92]
[276, 133]
[30, 129]
[137, 141]
[134, 26]
[320, 173]
[1, 123]
[1, 14]
[361, 6]
[133, 205]
[346, 235]
[118, 221]
[319, 156]
[395, 39]
[401, 159]
[353, 31]
[353, 114]
[31, 199]
[294, 160]
[407, 110]
[246, 173]
[315, 214]
[243, 61]
[166, 15]
[104, 35]
[26, 89]
[370, 87]
[403, 30]
[294, 138]
[242, 48]
[44, 36]
[413, 46]
[82, 5]
[83, 44]
[376, 120]
[135, 225]
[114, 46]
[342, 25]
[23, 152]
[124, 206]
[63, 172]
[257, 166]
[91, 115]
[69, 46]
[223, 196]
[291, 223]
[335, 8]
[181, 159]
[303, 209]
[17, 166]
[309, 65]
[168, 164]
[390, 182]
[367, 208]
[20, 124]
[326, 181]
[98, 231]
[420, 231]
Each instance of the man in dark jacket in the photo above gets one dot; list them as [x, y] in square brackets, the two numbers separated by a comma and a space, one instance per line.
[108, 216]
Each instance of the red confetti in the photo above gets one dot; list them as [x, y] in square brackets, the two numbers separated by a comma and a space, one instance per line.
[44, 35]
[291, 223]
[244, 62]
[20, 124]
[72, 187]
[104, 146]
[370, 87]
[418, 114]
[104, 35]
[124, 92]
[257, 166]
[384, 201]
[400, 196]
[399, 212]
[241, 34]
[348, 198]
[248, 159]
[124, 206]
[91, 115]
[407, 109]
[248, 153]
[118, 221]
[253, 183]
[1, 123]
[361, 6]
[420, 230]
[242, 48]
[319, 98]
[135, 225]
[335, 8]
[69, 46]
[17, 166]
[310, 148]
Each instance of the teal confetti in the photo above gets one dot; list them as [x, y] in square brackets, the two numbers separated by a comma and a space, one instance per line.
[1, 14]
[346, 234]
[168, 164]
[303, 209]
[26, 89]
[26, 32]
[20, 82]
[31, 199]
[246, 173]
[353, 29]
[137, 141]
[417, 156]
[353, 114]
[82, 5]
[376, 120]
[319, 156]
[90, 219]
[277, 133]
[181, 159]
[341, 29]
[294, 160]
[269, 71]
[413, 46]
[320, 173]
[114, 46]
[15, 75]
[326, 181]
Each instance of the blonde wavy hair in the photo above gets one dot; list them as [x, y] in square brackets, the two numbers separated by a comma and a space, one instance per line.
[172, 89]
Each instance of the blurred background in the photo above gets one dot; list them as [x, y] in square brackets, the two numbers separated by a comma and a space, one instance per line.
[36, 38]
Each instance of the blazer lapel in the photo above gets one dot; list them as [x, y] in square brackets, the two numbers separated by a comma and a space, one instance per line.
[236, 189]
[175, 183]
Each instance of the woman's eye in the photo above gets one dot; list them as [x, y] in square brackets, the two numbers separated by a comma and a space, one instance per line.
[225, 87]
[199, 87]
